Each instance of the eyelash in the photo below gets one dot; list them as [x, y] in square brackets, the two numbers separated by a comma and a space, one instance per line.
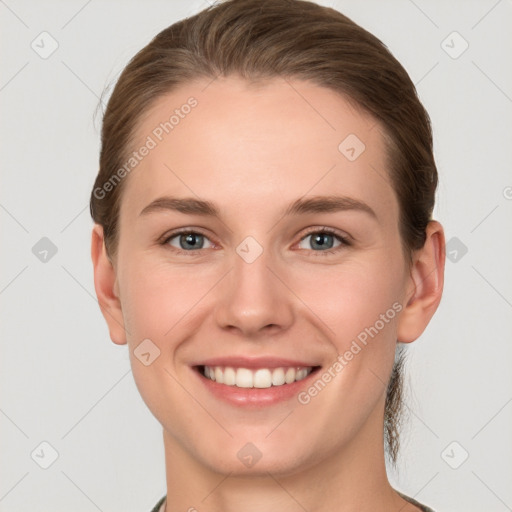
[345, 242]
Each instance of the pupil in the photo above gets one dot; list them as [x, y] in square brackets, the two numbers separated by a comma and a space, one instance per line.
[320, 240]
[190, 239]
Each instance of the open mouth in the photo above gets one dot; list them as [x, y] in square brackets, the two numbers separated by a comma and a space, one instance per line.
[259, 378]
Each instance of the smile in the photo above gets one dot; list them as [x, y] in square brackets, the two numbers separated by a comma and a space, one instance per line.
[255, 378]
[254, 382]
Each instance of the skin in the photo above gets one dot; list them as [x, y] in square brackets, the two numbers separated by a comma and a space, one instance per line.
[252, 149]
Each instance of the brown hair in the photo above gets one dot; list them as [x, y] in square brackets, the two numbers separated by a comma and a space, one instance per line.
[259, 39]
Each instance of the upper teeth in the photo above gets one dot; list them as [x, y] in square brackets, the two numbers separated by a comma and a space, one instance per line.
[260, 378]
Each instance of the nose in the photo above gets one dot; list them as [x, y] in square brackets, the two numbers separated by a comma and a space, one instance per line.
[253, 300]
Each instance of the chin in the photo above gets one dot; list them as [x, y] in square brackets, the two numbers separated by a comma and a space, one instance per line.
[255, 459]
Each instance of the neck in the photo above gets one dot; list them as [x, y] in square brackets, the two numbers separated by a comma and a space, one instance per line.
[351, 478]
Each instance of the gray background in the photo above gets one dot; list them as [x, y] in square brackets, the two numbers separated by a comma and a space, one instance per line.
[65, 383]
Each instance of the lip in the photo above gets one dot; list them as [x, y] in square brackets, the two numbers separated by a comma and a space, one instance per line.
[254, 397]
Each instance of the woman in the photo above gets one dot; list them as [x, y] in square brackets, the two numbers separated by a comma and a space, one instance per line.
[264, 244]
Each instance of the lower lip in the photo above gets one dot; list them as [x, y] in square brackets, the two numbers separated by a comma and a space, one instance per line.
[255, 397]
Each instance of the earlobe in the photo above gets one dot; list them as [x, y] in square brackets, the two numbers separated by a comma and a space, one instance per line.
[426, 285]
[106, 286]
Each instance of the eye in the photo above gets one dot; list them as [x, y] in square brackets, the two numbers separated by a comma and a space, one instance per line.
[324, 240]
[187, 241]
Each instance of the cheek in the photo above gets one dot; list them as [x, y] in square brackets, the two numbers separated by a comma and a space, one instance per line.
[352, 297]
[360, 303]
[158, 298]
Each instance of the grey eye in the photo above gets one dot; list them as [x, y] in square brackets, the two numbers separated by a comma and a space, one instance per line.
[188, 241]
[320, 240]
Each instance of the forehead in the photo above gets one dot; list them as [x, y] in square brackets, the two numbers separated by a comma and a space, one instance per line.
[239, 143]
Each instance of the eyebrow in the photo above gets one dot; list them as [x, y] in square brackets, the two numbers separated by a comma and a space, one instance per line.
[315, 204]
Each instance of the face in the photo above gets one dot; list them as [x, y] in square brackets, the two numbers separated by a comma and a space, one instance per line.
[282, 262]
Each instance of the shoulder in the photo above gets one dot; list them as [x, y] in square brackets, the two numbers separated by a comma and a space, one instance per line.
[159, 504]
[419, 505]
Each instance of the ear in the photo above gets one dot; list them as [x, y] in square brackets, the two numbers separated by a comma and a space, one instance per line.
[105, 284]
[425, 285]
